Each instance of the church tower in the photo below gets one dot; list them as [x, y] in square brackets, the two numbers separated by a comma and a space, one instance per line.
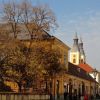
[75, 54]
[82, 53]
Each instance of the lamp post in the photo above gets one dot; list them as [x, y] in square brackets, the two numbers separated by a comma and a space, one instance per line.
[95, 74]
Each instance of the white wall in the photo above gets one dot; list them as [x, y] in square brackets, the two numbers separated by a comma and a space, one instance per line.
[97, 77]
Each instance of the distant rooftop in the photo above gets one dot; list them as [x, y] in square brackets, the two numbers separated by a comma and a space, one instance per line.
[77, 71]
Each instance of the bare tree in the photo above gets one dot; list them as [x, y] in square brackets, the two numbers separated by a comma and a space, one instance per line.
[34, 19]
[37, 18]
[28, 61]
[11, 17]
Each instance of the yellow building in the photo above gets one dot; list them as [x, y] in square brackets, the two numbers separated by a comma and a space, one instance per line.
[75, 80]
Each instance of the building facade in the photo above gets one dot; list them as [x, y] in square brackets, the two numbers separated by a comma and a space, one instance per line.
[78, 57]
[74, 81]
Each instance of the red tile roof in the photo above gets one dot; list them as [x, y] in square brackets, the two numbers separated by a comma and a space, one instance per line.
[86, 67]
[75, 70]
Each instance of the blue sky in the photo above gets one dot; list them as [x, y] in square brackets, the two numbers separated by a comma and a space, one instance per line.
[81, 16]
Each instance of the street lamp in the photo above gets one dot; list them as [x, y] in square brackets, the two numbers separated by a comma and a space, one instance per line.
[95, 74]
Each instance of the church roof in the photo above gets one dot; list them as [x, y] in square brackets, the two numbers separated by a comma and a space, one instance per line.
[75, 47]
[75, 37]
[81, 41]
[86, 67]
[81, 47]
[81, 50]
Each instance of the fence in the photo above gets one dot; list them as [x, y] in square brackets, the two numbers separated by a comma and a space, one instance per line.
[20, 96]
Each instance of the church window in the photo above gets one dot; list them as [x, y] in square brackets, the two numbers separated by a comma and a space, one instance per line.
[74, 56]
[74, 60]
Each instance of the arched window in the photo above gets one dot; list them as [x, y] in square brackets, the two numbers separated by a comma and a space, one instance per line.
[74, 60]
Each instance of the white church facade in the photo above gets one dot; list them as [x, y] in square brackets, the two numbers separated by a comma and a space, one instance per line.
[77, 54]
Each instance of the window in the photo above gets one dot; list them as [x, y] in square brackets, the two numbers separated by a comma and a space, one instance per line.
[74, 56]
[74, 60]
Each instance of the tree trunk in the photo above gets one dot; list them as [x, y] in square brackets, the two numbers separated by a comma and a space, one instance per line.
[19, 85]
